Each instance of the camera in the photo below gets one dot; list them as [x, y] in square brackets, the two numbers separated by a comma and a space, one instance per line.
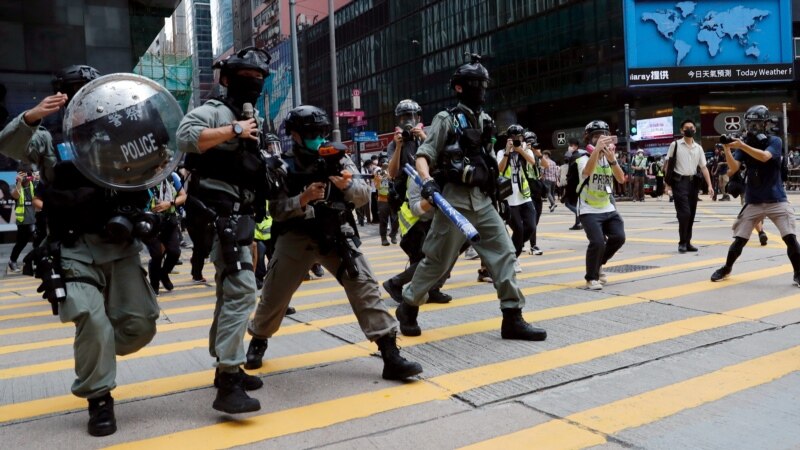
[728, 138]
[516, 142]
[128, 222]
[407, 127]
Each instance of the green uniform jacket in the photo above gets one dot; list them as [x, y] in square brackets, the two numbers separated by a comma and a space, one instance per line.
[212, 114]
[459, 196]
[34, 145]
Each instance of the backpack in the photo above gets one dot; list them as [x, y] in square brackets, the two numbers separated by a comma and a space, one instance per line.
[571, 193]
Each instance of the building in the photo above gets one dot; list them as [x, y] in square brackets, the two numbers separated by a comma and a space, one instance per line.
[222, 26]
[198, 37]
[554, 65]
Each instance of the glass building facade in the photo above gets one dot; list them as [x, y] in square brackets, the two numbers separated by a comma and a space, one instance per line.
[222, 26]
[555, 64]
[198, 34]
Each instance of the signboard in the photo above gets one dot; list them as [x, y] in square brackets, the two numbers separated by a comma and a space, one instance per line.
[360, 123]
[358, 114]
[671, 42]
[656, 128]
[366, 136]
[561, 137]
[733, 122]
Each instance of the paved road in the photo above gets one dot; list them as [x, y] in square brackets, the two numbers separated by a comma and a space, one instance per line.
[662, 358]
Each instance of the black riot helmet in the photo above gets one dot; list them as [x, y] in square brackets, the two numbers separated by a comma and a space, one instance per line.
[247, 58]
[311, 123]
[71, 78]
[757, 119]
[593, 127]
[515, 130]
[272, 144]
[472, 73]
[473, 79]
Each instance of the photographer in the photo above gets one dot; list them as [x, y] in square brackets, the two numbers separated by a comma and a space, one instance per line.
[386, 214]
[521, 212]
[313, 222]
[684, 158]
[601, 222]
[765, 196]
[533, 172]
[164, 246]
[24, 195]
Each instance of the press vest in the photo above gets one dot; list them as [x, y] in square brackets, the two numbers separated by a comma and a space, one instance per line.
[524, 187]
[22, 204]
[264, 228]
[594, 193]
[406, 219]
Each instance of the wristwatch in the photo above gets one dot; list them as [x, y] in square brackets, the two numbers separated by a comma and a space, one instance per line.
[237, 129]
[612, 163]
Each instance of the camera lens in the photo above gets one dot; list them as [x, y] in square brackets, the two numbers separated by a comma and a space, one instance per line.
[516, 142]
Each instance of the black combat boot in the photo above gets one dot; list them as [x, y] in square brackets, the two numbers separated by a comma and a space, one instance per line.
[231, 397]
[101, 416]
[515, 327]
[394, 290]
[249, 382]
[255, 352]
[395, 367]
[437, 296]
[407, 316]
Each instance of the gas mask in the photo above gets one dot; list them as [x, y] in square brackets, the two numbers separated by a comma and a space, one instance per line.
[473, 94]
[243, 89]
[756, 135]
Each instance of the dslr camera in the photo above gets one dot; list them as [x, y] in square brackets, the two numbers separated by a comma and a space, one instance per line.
[726, 139]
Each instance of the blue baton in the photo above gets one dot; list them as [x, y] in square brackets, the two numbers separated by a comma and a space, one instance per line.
[456, 217]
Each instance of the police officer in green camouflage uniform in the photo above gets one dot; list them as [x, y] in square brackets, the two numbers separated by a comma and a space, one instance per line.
[228, 174]
[107, 296]
[314, 223]
[458, 147]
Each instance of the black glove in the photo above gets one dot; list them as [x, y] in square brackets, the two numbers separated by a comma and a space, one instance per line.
[428, 189]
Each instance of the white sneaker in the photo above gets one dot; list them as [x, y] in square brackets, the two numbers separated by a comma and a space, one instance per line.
[535, 250]
[602, 277]
[594, 285]
[517, 267]
[471, 254]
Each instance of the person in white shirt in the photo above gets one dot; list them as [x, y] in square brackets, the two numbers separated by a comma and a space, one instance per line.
[687, 156]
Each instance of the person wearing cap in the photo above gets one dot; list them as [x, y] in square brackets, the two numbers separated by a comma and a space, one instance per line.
[107, 296]
[459, 151]
[221, 139]
[313, 223]
[639, 168]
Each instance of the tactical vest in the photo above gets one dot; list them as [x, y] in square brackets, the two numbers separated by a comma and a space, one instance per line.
[22, 204]
[465, 159]
[595, 192]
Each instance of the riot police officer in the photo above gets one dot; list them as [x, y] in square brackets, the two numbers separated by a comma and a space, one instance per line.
[228, 178]
[313, 222]
[459, 148]
[107, 296]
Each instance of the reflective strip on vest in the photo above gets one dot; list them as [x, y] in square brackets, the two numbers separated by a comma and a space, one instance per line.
[264, 229]
[526, 189]
[406, 219]
[20, 209]
[594, 195]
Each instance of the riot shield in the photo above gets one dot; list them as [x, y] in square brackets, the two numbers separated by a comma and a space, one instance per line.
[120, 132]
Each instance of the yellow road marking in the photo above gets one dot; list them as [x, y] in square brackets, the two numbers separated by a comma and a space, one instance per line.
[323, 414]
[634, 239]
[649, 407]
[200, 379]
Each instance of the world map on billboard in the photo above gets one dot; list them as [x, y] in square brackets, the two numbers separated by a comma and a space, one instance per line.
[704, 34]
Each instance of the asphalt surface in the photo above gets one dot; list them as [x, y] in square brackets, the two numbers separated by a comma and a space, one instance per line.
[661, 358]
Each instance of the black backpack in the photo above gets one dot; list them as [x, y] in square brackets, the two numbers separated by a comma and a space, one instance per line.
[573, 179]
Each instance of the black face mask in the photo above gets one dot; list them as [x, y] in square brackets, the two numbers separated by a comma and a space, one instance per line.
[473, 97]
[689, 133]
[243, 90]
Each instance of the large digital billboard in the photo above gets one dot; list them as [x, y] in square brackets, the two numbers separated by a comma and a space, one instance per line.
[718, 41]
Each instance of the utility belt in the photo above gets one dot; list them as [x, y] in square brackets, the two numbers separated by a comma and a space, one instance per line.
[326, 230]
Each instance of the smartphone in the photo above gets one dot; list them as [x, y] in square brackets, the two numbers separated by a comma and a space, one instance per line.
[614, 139]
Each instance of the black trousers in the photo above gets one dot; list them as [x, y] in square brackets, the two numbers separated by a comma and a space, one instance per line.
[24, 235]
[200, 232]
[536, 197]
[411, 243]
[606, 233]
[165, 250]
[522, 220]
[685, 194]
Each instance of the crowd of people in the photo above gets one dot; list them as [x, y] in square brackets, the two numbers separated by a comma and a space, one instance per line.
[266, 217]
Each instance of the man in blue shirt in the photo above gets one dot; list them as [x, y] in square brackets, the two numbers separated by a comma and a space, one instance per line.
[764, 193]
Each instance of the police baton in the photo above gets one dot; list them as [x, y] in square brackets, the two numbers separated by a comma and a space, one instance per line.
[444, 206]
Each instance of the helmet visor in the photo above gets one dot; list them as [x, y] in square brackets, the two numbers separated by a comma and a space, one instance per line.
[477, 83]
